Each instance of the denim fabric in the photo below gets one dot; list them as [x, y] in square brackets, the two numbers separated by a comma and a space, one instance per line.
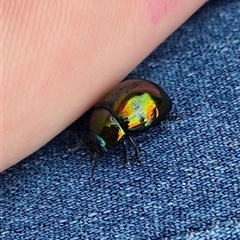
[189, 184]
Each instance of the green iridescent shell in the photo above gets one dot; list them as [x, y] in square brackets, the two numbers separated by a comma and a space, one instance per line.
[136, 105]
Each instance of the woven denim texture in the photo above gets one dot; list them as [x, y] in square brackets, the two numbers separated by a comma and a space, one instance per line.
[189, 184]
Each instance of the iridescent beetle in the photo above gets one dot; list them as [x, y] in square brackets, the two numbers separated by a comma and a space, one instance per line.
[131, 107]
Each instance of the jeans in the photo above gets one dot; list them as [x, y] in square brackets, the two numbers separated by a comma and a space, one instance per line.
[189, 184]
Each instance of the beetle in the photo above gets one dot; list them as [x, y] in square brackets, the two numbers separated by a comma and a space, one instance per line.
[131, 107]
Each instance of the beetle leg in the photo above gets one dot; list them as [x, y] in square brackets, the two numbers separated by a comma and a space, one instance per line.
[79, 141]
[139, 162]
[94, 165]
[76, 148]
[125, 161]
[172, 118]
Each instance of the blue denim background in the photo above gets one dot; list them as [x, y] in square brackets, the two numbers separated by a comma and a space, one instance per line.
[188, 186]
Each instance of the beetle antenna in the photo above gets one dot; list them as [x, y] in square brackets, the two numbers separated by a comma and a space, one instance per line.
[94, 166]
[139, 162]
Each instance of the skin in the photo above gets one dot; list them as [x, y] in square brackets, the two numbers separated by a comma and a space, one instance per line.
[60, 57]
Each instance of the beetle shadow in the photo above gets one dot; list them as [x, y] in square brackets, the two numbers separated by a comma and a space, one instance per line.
[73, 134]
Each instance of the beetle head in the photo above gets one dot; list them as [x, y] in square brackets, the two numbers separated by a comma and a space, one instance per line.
[95, 144]
[105, 129]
